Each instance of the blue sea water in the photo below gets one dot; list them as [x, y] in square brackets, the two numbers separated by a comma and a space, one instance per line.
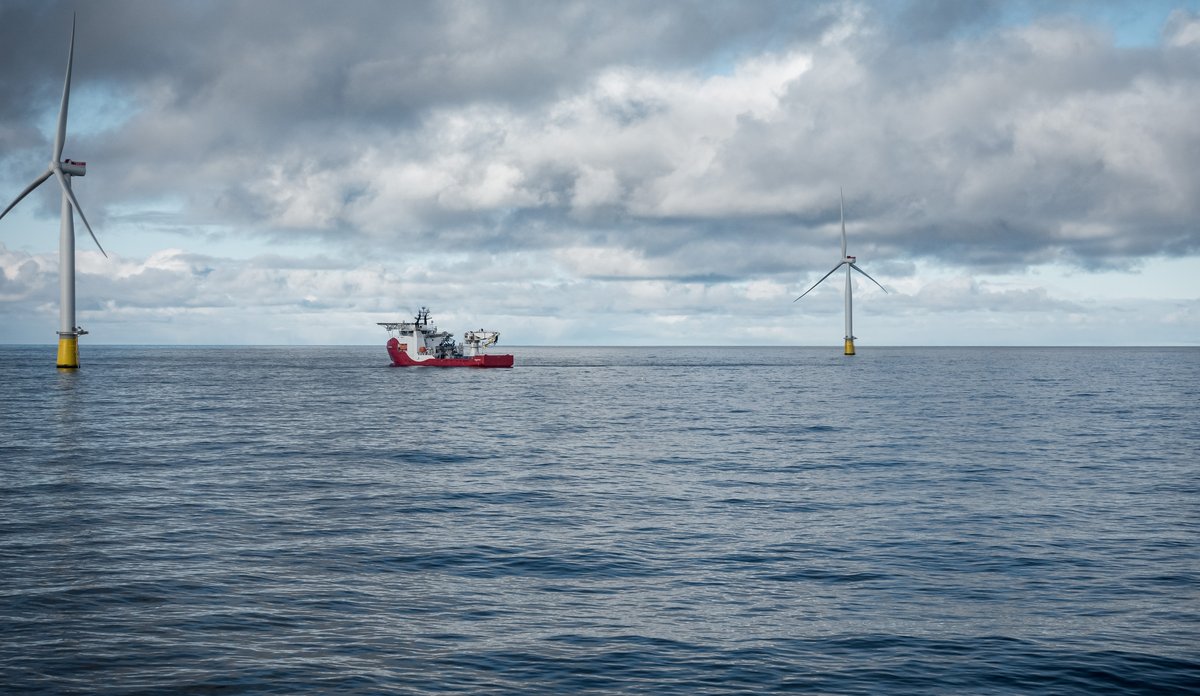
[604, 520]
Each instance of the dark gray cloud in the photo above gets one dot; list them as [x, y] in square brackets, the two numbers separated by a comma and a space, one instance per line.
[931, 20]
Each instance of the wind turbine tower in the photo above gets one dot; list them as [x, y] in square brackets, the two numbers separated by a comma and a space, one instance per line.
[849, 262]
[63, 170]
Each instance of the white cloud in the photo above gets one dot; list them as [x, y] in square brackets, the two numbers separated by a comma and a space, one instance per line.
[1183, 29]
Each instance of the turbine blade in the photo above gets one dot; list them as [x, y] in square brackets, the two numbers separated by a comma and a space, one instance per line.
[855, 267]
[62, 180]
[842, 210]
[60, 137]
[819, 281]
[36, 183]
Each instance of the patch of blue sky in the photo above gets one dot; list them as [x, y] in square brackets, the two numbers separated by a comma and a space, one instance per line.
[25, 229]
[93, 110]
[138, 230]
[140, 240]
[147, 226]
[722, 63]
[726, 58]
[1133, 24]
[1154, 278]
[1151, 278]
[1136, 24]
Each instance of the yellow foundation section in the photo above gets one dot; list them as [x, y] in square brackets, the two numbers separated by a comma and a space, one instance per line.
[849, 346]
[68, 352]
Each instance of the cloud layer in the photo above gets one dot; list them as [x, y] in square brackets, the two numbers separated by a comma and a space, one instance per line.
[558, 161]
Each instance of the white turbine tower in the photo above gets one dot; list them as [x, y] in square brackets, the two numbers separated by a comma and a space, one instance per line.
[849, 263]
[63, 170]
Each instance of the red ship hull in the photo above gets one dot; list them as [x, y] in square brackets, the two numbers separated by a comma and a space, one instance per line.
[400, 359]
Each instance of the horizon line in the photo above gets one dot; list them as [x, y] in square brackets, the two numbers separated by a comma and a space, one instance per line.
[616, 345]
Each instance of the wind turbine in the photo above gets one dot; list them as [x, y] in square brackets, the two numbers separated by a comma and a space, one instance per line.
[63, 170]
[849, 263]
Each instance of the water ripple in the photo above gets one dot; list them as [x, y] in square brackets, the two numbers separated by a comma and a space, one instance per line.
[658, 521]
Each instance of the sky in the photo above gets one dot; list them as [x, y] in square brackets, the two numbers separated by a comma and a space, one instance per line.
[608, 173]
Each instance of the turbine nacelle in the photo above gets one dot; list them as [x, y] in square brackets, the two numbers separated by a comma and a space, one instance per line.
[73, 168]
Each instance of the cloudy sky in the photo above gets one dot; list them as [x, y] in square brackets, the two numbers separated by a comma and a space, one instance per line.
[613, 173]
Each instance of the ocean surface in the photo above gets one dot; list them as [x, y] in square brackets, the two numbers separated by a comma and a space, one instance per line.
[202, 520]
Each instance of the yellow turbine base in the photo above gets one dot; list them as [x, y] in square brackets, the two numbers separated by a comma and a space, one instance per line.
[849, 346]
[68, 352]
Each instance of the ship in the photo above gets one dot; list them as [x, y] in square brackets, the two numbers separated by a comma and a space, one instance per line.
[418, 343]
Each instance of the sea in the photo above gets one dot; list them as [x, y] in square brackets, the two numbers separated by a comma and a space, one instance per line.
[292, 520]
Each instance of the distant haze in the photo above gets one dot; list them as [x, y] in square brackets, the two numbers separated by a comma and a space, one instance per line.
[629, 173]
